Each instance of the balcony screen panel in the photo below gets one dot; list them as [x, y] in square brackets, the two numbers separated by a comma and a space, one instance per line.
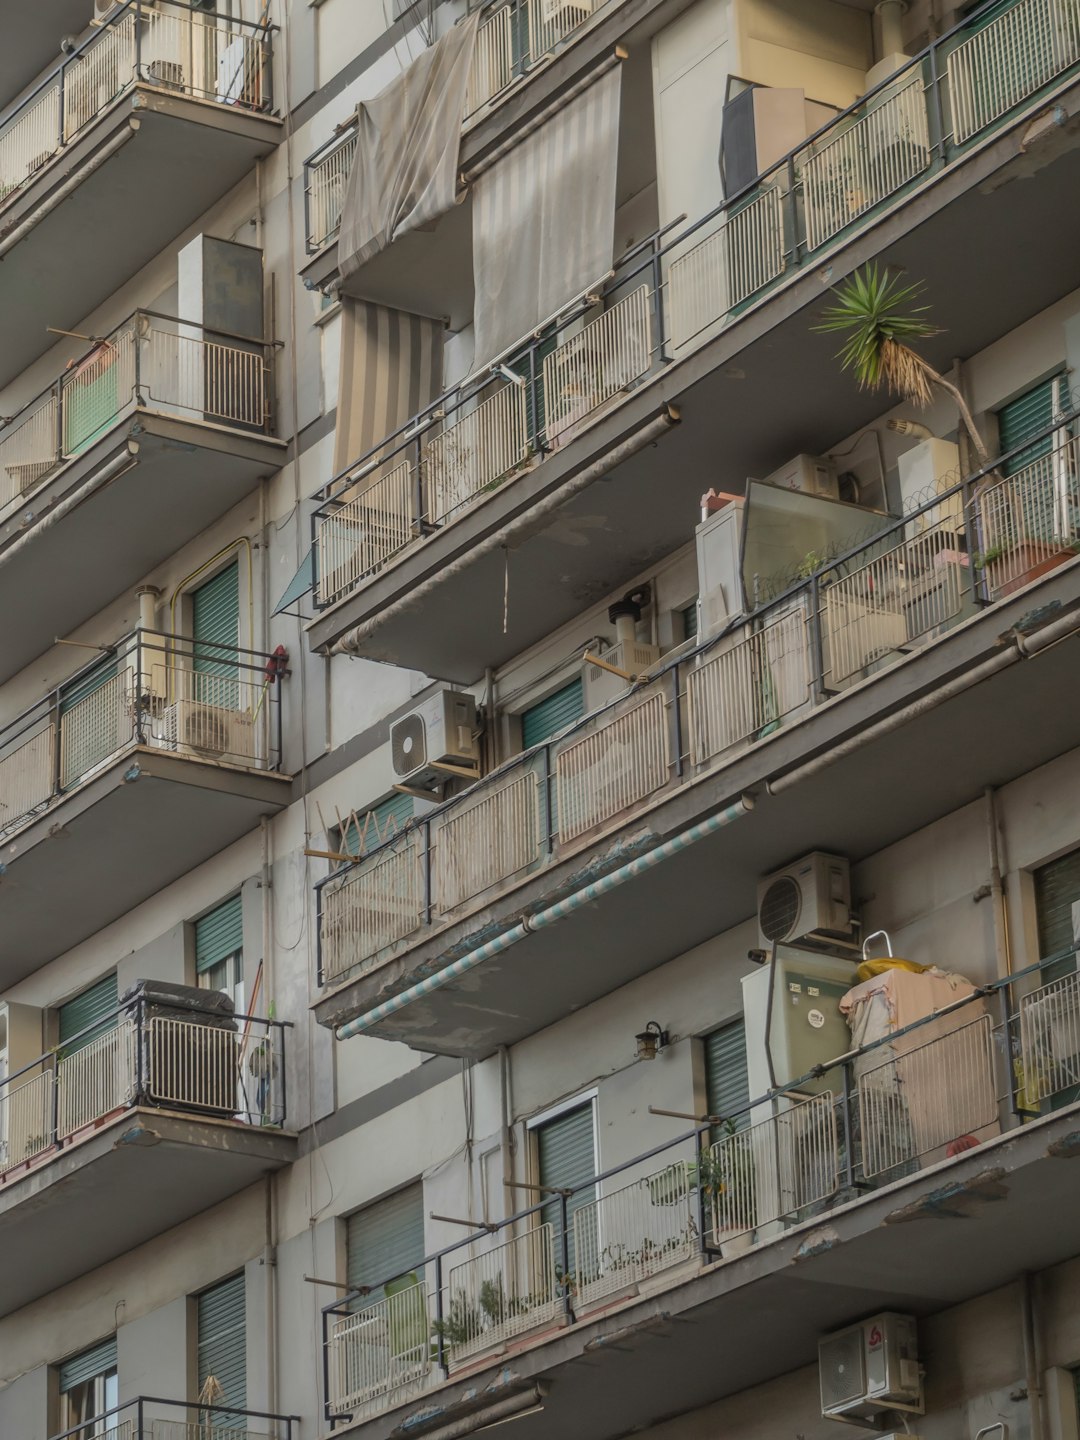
[219, 934]
[223, 1344]
[544, 218]
[404, 174]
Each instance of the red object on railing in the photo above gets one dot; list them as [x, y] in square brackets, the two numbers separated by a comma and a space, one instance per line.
[278, 664]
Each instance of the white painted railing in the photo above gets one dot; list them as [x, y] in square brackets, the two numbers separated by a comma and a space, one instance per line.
[504, 1292]
[1050, 1039]
[200, 57]
[605, 771]
[773, 1169]
[29, 140]
[192, 1064]
[603, 360]
[929, 1098]
[94, 728]
[749, 687]
[493, 58]
[198, 712]
[849, 172]
[490, 838]
[635, 1232]
[477, 451]
[365, 531]
[1008, 59]
[744, 255]
[377, 903]
[1031, 520]
[909, 593]
[515, 36]
[209, 1428]
[104, 69]
[326, 191]
[379, 1349]
[27, 776]
[26, 1119]
[181, 370]
[96, 1079]
[29, 450]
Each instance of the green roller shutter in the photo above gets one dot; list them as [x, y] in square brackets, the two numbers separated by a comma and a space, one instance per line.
[216, 622]
[387, 818]
[222, 1343]
[219, 935]
[542, 721]
[690, 621]
[88, 1015]
[1057, 893]
[566, 1157]
[727, 1084]
[1027, 415]
[385, 1241]
[100, 1359]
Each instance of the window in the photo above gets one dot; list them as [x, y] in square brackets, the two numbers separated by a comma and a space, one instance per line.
[727, 1084]
[89, 1390]
[689, 616]
[565, 1158]
[373, 826]
[219, 951]
[1057, 909]
[385, 1242]
[1029, 414]
[222, 1347]
[90, 1014]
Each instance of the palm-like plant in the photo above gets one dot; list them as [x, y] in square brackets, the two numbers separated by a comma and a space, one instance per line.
[882, 322]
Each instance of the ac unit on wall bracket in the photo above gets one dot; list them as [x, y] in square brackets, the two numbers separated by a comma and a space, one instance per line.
[870, 1368]
[208, 730]
[436, 740]
[807, 900]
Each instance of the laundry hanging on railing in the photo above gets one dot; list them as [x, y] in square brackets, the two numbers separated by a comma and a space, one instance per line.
[544, 217]
[404, 174]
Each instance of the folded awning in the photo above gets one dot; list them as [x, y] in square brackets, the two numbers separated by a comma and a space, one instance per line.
[300, 584]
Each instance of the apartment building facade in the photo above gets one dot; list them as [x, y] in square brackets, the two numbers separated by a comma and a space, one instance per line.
[539, 859]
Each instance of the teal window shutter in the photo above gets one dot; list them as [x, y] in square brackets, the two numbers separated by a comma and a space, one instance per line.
[565, 1158]
[219, 934]
[380, 823]
[689, 615]
[215, 622]
[1057, 892]
[222, 1343]
[1028, 414]
[100, 1359]
[385, 1241]
[88, 1015]
[727, 1083]
[541, 721]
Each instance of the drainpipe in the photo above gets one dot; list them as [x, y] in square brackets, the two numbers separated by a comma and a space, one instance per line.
[559, 911]
[117, 467]
[147, 596]
[352, 642]
[1002, 948]
[890, 15]
[1032, 1363]
[71, 184]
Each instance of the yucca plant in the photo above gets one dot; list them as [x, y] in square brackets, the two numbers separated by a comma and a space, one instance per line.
[882, 322]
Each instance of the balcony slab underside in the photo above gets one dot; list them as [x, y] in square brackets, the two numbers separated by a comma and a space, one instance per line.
[183, 476]
[32, 40]
[141, 1173]
[903, 780]
[764, 389]
[123, 208]
[146, 819]
[920, 1245]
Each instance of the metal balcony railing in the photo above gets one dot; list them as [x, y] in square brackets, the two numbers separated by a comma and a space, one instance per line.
[154, 361]
[919, 1097]
[676, 288]
[148, 1417]
[231, 1069]
[857, 612]
[166, 44]
[210, 701]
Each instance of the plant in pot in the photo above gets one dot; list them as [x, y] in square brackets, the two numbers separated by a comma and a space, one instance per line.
[731, 1182]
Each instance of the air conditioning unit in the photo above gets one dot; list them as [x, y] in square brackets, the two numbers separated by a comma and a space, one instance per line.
[566, 14]
[871, 1367]
[169, 74]
[439, 733]
[105, 9]
[208, 730]
[719, 565]
[809, 474]
[633, 659]
[808, 899]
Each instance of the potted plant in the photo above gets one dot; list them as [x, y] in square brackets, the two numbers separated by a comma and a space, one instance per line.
[1009, 565]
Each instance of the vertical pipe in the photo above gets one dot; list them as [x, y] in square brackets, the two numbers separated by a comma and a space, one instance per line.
[817, 646]
[676, 720]
[440, 1347]
[1032, 1366]
[846, 1113]
[564, 1254]
[1002, 950]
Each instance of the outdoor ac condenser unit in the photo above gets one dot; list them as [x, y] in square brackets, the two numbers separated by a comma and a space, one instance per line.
[208, 730]
[871, 1367]
[441, 732]
[602, 685]
[566, 13]
[809, 474]
[807, 899]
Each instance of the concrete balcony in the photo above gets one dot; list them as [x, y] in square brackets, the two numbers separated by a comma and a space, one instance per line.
[139, 446]
[465, 932]
[585, 476]
[190, 1110]
[143, 765]
[153, 118]
[743, 1250]
[33, 40]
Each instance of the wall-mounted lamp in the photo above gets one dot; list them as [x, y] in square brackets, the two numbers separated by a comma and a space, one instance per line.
[651, 1041]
